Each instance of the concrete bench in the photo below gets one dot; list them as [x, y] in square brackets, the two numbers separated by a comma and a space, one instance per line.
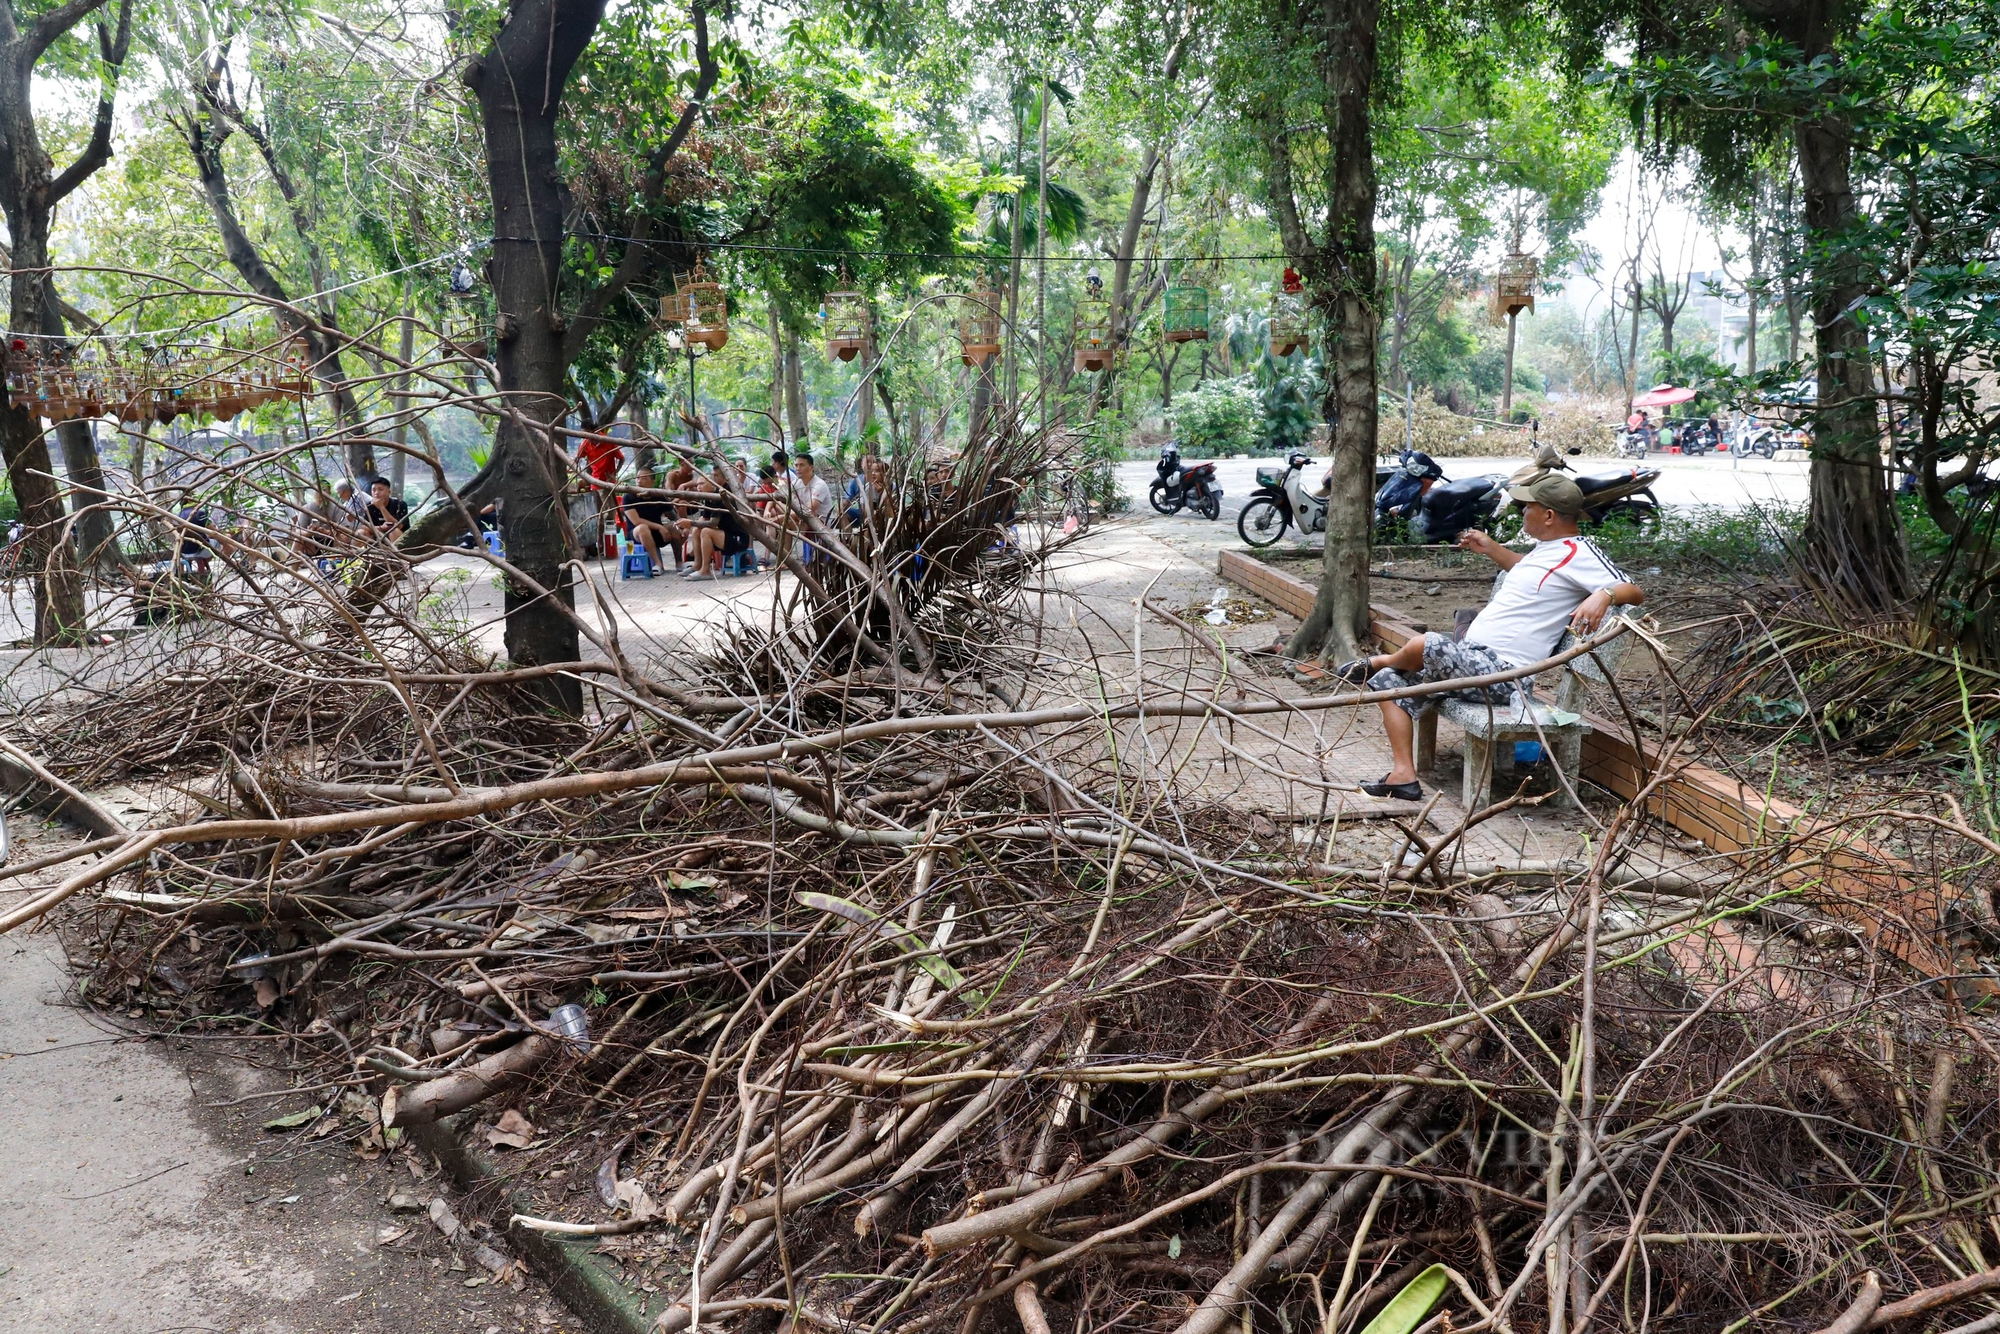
[1491, 730]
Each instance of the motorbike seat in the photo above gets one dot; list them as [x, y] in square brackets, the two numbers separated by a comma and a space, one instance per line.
[1446, 495]
[1592, 485]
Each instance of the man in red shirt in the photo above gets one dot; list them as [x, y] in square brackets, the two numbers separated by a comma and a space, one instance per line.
[600, 458]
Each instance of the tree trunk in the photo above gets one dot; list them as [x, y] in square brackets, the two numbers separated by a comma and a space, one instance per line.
[1852, 535]
[29, 192]
[1341, 278]
[519, 82]
[205, 131]
[777, 377]
[795, 394]
[399, 462]
[866, 390]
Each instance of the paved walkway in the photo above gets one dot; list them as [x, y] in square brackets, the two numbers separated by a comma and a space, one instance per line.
[139, 1193]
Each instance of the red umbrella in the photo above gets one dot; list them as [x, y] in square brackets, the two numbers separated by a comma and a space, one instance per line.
[1662, 396]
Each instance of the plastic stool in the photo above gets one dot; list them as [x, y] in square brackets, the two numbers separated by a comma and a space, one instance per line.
[635, 561]
[743, 562]
[492, 537]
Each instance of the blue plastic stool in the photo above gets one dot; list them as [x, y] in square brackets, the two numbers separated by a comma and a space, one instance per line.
[743, 562]
[493, 542]
[636, 561]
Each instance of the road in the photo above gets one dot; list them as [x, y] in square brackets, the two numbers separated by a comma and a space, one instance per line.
[1725, 482]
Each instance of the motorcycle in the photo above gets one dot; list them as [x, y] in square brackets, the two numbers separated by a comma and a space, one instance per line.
[1178, 487]
[1696, 437]
[1440, 511]
[1631, 444]
[1754, 437]
[1279, 503]
[1627, 496]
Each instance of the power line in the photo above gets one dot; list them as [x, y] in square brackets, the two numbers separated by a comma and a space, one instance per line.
[961, 256]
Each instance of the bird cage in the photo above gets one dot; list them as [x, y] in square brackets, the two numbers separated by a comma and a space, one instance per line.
[979, 325]
[1185, 319]
[675, 308]
[846, 325]
[1094, 348]
[1514, 286]
[707, 311]
[1288, 326]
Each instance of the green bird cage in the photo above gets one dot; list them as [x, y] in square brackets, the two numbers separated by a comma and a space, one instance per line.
[1185, 319]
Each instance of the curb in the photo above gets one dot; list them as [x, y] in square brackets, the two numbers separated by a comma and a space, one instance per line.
[584, 1281]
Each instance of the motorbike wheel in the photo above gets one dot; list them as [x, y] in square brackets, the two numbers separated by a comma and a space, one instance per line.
[1158, 496]
[1261, 523]
[1209, 506]
[1767, 448]
[1506, 525]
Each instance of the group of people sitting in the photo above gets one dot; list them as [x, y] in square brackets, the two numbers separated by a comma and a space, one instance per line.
[341, 522]
[672, 514]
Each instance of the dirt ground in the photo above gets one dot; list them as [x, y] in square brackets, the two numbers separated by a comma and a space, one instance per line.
[140, 1194]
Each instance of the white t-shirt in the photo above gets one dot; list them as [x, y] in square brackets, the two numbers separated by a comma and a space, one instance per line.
[1535, 600]
[815, 497]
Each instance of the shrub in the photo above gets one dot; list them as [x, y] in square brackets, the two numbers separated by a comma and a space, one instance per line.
[1219, 418]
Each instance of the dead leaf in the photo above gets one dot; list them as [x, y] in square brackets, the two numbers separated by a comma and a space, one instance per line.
[632, 1196]
[514, 1131]
[295, 1120]
[390, 1098]
[267, 993]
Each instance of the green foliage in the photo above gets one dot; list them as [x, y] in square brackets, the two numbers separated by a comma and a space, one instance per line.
[1221, 417]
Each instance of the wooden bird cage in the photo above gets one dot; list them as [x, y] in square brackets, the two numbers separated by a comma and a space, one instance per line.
[1288, 326]
[1514, 287]
[1094, 348]
[675, 309]
[979, 325]
[847, 325]
[707, 322]
[1185, 318]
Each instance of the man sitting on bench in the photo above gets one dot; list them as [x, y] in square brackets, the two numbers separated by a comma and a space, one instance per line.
[1564, 583]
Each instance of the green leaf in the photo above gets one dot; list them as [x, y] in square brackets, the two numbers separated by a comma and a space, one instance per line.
[296, 1119]
[1407, 1309]
[1174, 1247]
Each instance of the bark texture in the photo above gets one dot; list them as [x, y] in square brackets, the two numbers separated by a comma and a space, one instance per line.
[1335, 255]
[30, 189]
[1853, 542]
[519, 82]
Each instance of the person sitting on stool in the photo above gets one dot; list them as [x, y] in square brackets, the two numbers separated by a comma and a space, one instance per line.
[1565, 582]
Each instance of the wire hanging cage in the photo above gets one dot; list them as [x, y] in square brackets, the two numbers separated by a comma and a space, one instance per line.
[1288, 325]
[979, 325]
[1514, 286]
[1095, 350]
[847, 325]
[1185, 316]
[705, 310]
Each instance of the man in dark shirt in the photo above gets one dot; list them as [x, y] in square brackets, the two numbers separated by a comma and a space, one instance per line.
[650, 520]
[388, 516]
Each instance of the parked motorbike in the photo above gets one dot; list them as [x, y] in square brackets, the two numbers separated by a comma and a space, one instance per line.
[1696, 437]
[1281, 502]
[1754, 437]
[1178, 487]
[1435, 510]
[1631, 444]
[1624, 496]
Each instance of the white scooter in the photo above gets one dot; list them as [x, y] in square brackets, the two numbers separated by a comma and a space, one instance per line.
[1282, 501]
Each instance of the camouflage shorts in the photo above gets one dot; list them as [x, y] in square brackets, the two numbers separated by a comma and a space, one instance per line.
[1447, 659]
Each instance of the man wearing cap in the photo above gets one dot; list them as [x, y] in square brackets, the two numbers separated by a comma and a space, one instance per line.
[1564, 583]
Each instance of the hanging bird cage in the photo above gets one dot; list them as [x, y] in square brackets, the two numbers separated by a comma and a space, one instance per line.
[1514, 286]
[846, 325]
[705, 319]
[1094, 348]
[1185, 319]
[1288, 326]
[979, 325]
[675, 309]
